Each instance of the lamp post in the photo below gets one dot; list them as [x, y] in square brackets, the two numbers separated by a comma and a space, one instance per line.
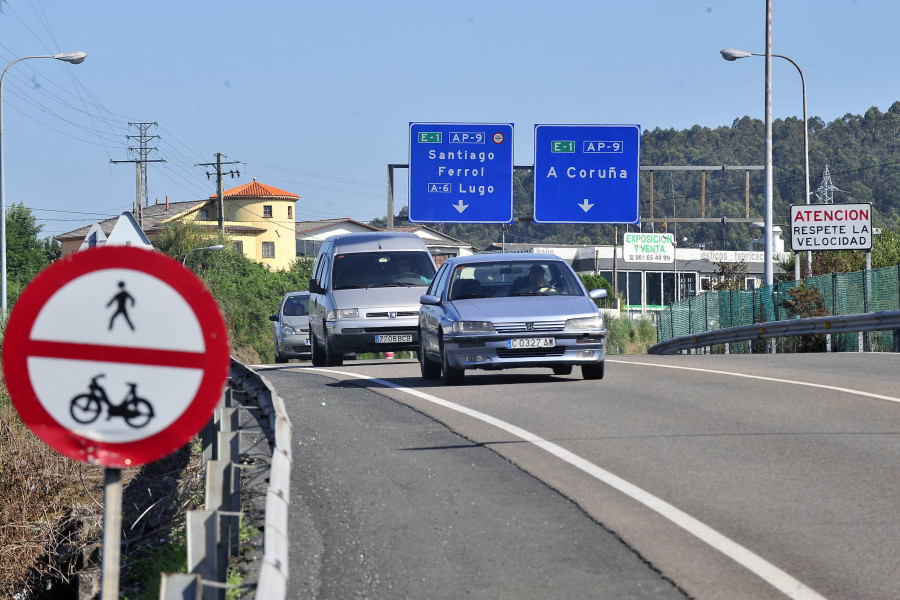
[69, 57]
[731, 54]
[215, 248]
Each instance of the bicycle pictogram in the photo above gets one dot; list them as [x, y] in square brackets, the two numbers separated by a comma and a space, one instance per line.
[86, 408]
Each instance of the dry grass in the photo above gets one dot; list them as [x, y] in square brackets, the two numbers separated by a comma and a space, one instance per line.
[51, 515]
[48, 507]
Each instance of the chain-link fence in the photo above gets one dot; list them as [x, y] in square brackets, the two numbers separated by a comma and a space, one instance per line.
[833, 294]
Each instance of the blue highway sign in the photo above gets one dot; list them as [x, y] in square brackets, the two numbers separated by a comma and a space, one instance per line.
[460, 172]
[586, 173]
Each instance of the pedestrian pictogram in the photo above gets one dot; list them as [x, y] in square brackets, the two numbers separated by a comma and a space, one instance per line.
[116, 355]
[121, 301]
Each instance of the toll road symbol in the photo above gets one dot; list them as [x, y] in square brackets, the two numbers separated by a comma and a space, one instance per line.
[115, 355]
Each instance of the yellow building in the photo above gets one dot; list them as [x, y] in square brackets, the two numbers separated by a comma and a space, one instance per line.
[258, 218]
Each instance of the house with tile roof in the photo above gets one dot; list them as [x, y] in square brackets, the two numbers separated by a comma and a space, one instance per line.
[258, 219]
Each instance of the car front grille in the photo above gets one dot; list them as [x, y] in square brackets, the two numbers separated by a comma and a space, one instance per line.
[530, 352]
[536, 326]
[386, 315]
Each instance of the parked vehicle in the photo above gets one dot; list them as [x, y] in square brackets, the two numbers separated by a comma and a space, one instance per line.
[501, 311]
[364, 294]
[291, 324]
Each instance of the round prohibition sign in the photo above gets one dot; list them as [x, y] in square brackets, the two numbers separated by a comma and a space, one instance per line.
[116, 355]
[498, 138]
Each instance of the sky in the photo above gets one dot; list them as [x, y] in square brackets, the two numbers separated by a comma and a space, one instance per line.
[316, 97]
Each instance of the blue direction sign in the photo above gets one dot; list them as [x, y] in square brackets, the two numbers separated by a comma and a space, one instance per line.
[460, 172]
[586, 173]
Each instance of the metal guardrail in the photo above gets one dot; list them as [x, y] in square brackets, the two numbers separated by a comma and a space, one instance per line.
[833, 324]
[213, 534]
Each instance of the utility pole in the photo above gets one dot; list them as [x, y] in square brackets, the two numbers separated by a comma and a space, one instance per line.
[221, 202]
[140, 163]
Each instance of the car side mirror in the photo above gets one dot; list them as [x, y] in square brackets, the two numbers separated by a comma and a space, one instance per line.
[597, 294]
[273, 317]
[430, 300]
[314, 286]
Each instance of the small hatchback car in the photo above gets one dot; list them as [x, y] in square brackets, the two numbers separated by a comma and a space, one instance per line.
[292, 327]
[501, 311]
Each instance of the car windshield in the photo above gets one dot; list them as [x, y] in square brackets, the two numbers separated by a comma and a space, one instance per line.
[513, 278]
[296, 306]
[382, 269]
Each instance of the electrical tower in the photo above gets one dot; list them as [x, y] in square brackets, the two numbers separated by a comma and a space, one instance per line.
[140, 163]
[218, 166]
[826, 189]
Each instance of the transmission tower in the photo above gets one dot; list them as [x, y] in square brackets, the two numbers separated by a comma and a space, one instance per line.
[826, 189]
[142, 152]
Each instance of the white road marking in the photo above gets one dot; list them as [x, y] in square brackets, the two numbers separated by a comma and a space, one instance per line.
[763, 378]
[788, 585]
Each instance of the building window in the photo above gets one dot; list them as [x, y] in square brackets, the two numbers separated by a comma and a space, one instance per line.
[267, 211]
[268, 249]
[239, 246]
[204, 214]
[290, 212]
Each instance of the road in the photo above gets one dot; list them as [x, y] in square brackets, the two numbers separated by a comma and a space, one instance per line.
[764, 476]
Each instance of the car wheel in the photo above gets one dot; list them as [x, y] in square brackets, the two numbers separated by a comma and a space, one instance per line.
[450, 375]
[562, 370]
[332, 359]
[317, 357]
[592, 371]
[430, 370]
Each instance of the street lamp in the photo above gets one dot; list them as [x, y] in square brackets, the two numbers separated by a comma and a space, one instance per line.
[69, 57]
[216, 248]
[731, 54]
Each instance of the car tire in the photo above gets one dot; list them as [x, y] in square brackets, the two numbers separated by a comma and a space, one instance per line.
[332, 359]
[562, 370]
[450, 375]
[592, 371]
[317, 357]
[430, 370]
[279, 359]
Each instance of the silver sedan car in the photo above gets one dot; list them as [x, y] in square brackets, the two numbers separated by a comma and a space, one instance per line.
[291, 327]
[502, 311]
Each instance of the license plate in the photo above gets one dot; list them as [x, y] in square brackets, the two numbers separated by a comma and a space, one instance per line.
[530, 343]
[393, 339]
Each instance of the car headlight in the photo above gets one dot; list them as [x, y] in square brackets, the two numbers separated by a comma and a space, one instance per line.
[473, 327]
[287, 329]
[342, 313]
[595, 322]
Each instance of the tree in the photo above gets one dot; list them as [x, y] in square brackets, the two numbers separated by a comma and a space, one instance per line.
[805, 302]
[730, 276]
[26, 253]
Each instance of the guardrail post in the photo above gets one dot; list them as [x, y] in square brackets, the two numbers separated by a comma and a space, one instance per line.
[229, 452]
[208, 437]
[201, 548]
[180, 586]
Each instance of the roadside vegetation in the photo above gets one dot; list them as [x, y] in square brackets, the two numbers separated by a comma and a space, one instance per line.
[246, 291]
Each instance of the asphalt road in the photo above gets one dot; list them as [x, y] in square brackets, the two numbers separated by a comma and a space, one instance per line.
[719, 477]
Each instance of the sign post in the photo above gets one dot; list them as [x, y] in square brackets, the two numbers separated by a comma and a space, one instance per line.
[115, 356]
[460, 172]
[586, 173]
